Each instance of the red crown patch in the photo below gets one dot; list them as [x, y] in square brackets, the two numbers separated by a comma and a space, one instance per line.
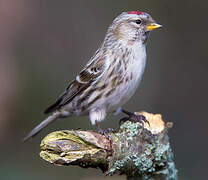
[136, 12]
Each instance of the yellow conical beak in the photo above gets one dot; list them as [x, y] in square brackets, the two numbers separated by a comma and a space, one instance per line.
[153, 26]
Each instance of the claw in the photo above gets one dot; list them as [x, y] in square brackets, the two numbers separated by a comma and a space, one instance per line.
[143, 118]
[134, 118]
[104, 132]
[123, 120]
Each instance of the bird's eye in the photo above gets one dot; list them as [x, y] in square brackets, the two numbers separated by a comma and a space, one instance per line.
[138, 21]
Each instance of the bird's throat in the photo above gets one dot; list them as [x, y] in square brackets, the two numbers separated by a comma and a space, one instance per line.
[145, 37]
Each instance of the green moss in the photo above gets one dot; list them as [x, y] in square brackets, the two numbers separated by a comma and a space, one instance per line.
[62, 135]
[65, 146]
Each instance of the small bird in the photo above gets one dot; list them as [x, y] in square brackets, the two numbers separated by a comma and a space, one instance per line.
[111, 76]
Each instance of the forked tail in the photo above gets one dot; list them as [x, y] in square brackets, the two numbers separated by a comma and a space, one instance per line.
[43, 124]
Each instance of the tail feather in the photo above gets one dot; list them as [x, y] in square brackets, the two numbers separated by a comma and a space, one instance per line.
[52, 107]
[43, 124]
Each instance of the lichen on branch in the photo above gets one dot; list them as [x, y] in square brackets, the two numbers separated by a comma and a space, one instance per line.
[132, 150]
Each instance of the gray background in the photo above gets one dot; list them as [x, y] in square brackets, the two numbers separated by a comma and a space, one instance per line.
[43, 44]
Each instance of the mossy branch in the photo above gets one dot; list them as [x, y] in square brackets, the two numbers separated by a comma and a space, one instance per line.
[138, 152]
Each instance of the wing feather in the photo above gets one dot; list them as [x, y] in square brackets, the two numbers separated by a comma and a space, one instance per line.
[84, 79]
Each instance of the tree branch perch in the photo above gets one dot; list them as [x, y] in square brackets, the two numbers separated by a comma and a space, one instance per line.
[139, 153]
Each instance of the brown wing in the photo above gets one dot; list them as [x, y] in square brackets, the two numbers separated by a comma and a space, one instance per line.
[86, 77]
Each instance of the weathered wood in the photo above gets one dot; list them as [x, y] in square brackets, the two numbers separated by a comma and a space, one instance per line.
[139, 153]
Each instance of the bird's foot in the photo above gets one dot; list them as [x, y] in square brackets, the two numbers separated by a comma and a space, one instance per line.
[134, 118]
[137, 118]
[104, 132]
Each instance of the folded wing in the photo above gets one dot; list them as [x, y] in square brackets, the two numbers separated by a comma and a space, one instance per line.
[84, 79]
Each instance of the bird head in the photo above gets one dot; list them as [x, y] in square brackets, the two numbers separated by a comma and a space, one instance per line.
[133, 26]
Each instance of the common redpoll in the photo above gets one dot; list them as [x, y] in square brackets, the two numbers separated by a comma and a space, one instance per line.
[111, 76]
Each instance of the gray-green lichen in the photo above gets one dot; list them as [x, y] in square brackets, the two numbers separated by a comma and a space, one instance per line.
[138, 152]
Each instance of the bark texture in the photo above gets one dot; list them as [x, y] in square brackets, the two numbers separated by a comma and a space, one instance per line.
[139, 153]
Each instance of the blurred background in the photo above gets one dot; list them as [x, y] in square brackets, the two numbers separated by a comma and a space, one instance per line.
[44, 43]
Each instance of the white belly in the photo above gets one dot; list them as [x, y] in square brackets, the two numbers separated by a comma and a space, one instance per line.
[124, 91]
[135, 69]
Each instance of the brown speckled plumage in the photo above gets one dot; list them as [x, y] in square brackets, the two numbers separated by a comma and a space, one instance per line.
[112, 75]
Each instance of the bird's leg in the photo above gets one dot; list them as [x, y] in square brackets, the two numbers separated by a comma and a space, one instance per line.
[133, 118]
[102, 131]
